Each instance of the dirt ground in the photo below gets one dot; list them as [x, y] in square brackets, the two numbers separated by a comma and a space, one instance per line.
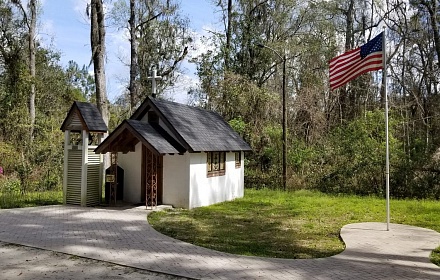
[24, 263]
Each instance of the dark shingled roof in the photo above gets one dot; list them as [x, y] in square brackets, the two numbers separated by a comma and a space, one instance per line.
[157, 137]
[202, 130]
[89, 115]
[131, 132]
[182, 128]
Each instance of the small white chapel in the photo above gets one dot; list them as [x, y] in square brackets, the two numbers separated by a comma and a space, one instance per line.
[165, 153]
[177, 155]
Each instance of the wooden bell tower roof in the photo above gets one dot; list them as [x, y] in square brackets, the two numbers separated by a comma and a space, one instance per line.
[84, 116]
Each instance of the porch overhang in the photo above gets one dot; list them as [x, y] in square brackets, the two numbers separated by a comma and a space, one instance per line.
[130, 132]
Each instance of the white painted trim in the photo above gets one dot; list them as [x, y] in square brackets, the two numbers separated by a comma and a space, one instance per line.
[101, 168]
[66, 163]
[84, 162]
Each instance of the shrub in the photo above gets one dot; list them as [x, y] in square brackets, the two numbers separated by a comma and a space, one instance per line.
[10, 185]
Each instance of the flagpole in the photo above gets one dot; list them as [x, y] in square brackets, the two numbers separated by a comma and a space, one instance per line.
[387, 171]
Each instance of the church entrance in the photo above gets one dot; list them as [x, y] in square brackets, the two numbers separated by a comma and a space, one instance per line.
[114, 183]
[151, 177]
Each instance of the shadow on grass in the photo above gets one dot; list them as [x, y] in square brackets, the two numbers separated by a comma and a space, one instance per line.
[246, 228]
[287, 225]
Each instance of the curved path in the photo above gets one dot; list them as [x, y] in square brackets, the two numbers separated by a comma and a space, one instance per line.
[124, 237]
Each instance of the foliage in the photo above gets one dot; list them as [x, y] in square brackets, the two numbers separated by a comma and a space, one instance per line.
[162, 40]
[9, 185]
[30, 199]
[31, 165]
[357, 157]
[255, 178]
[335, 140]
[351, 159]
[354, 162]
[435, 256]
[238, 125]
[8, 155]
[82, 81]
[301, 224]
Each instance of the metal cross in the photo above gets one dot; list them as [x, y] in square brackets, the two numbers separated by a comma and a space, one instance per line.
[153, 79]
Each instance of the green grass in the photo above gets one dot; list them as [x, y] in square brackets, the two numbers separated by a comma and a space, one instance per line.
[435, 256]
[30, 199]
[278, 224]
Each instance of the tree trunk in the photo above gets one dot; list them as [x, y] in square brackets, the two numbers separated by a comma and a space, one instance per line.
[32, 28]
[228, 35]
[349, 15]
[431, 7]
[133, 56]
[97, 40]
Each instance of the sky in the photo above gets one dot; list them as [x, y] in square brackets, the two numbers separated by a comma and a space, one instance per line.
[63, 26]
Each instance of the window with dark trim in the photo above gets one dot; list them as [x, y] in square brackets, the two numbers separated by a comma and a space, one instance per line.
[237, 159]
[215, 163]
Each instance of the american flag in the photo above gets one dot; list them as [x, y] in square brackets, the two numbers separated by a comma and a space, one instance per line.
[356, 62]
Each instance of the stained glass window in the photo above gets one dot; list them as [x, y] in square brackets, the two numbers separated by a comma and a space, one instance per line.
[216, 163]
[237, 159]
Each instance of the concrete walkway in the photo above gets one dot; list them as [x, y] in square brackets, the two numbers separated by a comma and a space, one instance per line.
[124, 237]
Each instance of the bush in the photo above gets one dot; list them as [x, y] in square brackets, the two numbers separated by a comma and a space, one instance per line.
[10, 185]
[350, 160]
[8, 156]
[356, 157]
[256, 179]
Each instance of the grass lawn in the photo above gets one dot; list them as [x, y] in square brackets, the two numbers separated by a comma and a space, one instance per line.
[278, 224]
[30, 199]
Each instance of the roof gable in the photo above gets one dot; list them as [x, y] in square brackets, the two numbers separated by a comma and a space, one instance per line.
[197, 129]
[130, 132]
[84, 116]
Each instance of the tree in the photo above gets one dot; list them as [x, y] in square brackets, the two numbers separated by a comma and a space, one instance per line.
[97, 41]
[132, 88]
[82, 81]
[159, 37]
[30, 18]
[431, 8]
[36, 167]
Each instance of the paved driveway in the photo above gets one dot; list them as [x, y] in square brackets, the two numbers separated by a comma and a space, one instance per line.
[26, 263]
[124, 237]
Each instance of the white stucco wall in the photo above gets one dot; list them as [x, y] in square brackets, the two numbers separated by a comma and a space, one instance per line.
[131, 163]
[176, 180]
[181, 171]
[206, 191]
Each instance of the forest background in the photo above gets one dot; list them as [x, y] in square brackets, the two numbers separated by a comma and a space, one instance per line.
[336, 140]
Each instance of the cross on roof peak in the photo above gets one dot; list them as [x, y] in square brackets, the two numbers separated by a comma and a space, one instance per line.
[153, 79]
